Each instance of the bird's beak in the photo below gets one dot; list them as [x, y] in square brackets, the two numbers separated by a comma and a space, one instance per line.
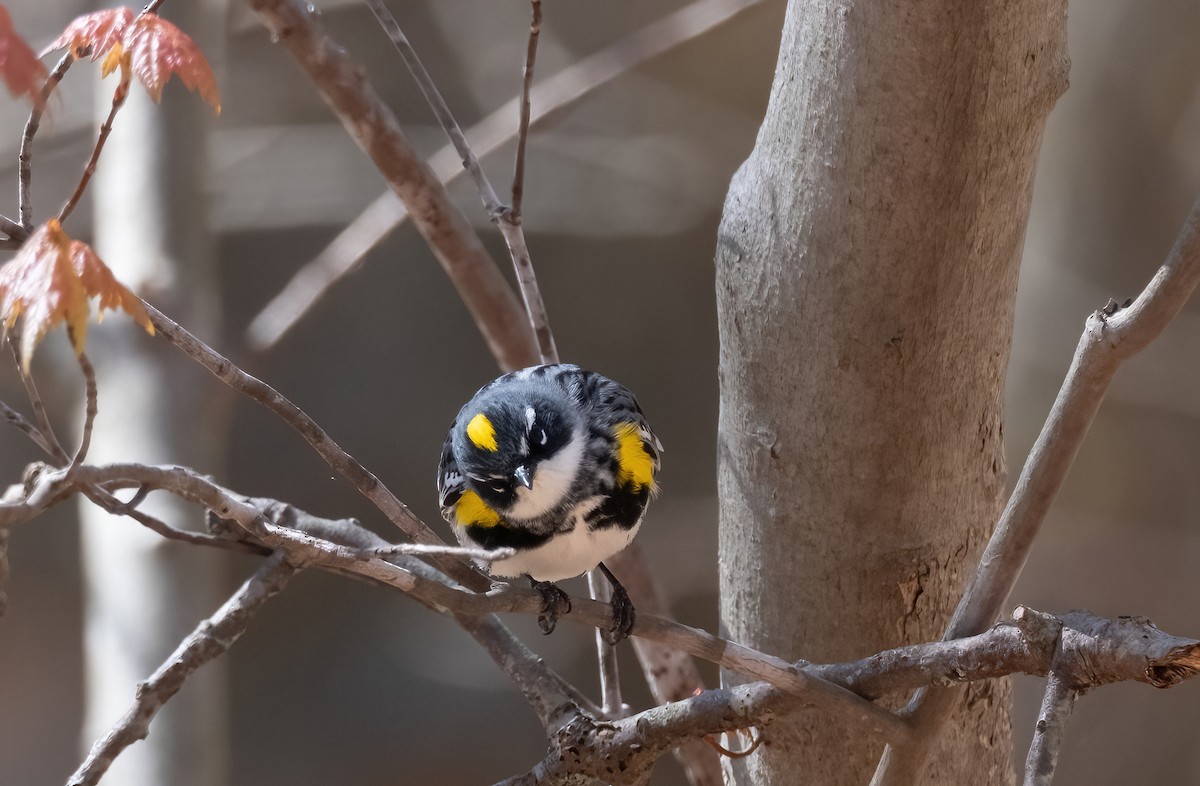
[524, 476]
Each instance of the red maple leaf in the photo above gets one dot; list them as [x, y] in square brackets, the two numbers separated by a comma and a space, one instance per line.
[20, 68]
[149, 45]
[158, 49]
[93, 34]
[50, 280]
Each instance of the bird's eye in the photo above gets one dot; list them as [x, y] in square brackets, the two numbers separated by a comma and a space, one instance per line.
[499, 488]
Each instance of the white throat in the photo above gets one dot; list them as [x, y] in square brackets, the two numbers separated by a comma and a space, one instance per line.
[552, 479]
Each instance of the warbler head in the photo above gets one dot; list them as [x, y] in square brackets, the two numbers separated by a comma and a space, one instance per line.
[520, 447]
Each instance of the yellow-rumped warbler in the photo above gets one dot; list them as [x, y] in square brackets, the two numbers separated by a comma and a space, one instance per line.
[558, 464]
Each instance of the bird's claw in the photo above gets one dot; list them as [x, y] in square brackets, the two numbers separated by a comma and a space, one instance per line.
[624, 615]
[555, 603]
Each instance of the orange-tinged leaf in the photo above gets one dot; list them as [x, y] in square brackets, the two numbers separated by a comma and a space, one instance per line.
[159, 49]
[100, 31]
[40, 286]
[116, 58]
[50, 280]
[99, 282]
[20, 68]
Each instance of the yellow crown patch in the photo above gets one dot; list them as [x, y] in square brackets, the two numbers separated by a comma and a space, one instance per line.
[482, 433]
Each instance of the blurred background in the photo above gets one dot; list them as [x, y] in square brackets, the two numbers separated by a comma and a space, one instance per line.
[342, 682]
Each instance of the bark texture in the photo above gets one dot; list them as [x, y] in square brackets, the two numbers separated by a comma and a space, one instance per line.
[866, 275]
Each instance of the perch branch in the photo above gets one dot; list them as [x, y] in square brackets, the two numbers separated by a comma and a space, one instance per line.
[1110, 336]
[343, 85]
[425, 585]
[1083, 649]
[210, 639]
[367, 483]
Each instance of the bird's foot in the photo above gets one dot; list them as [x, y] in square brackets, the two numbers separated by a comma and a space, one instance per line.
[555, 603]
[624, 614]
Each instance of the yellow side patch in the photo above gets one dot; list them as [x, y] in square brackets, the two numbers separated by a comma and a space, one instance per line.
[634, 465]
[482, 433]
[471, 511]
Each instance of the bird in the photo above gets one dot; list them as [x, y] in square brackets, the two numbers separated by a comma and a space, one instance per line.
[558, 464]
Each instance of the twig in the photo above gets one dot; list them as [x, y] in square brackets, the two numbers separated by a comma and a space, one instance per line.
[210, 639]
[441, 110]
[518, 186]
[25, 157]
[545, 691]
[4, 533]
[24, 426]
[606, 655]
[1110, 336]
[1057, 704]
[115, 506]
[13, 231]
[118, 100]
[386, 213]
[343, 86]
[39, 409]
[510, 225]
[90, 408]
[367, 483]
[484, 555]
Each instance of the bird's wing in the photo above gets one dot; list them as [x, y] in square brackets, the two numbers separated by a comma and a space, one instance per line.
[450, 480]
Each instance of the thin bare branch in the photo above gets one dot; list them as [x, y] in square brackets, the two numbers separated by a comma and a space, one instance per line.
[1057, 704]
[545, 691]
[18, 420]
[611, 702]
[342, 84]
[518, 186]
[39, 409]
[210, 639]
[90, 408]
[13, 231]
[508, 221]
[484, 555]
[1110, 336]
[115, 506]
[25, 156]
[386, 213]
[366, 482]
[441, 110]
[118, 100]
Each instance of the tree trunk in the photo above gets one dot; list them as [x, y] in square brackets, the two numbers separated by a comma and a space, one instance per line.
[866, 275]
